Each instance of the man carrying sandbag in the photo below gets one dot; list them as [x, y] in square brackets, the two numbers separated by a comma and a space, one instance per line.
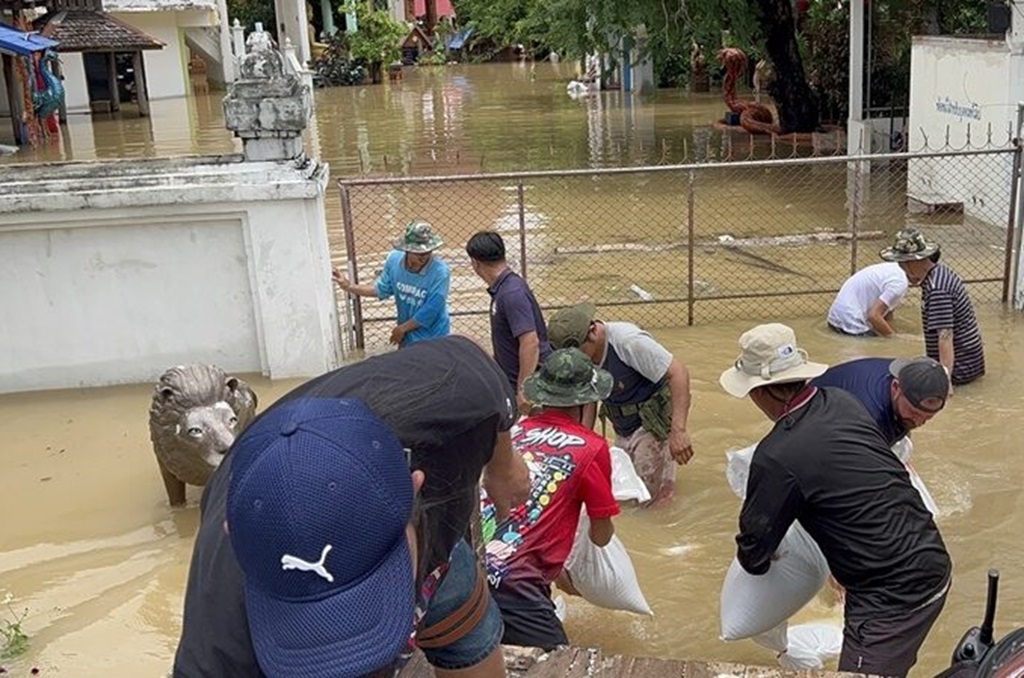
[570, 467]
[900, 395]
[650, 401]
[826, 465]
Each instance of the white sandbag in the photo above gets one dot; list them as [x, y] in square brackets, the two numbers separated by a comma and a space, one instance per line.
[737, 468]
[755, 604]
[604, 575]
[903, 449]
[776, 639]
[811, 645]
[560, 606]
[926, 496]
[626, 484]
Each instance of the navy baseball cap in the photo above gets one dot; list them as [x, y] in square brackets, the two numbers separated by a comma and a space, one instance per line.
[318, 502]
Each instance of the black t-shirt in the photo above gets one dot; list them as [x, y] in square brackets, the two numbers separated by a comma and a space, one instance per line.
[445, 399]
[827, 466]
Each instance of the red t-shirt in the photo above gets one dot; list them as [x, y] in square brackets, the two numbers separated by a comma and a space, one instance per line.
[570, 466]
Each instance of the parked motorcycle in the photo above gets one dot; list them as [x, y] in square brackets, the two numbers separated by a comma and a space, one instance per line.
[979, 656]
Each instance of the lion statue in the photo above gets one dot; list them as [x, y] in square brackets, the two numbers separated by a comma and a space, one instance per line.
[194, 417]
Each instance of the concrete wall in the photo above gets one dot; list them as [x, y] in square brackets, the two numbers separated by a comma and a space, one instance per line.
[103, 283]
[959, 90]
[167, 68]
[76, 89]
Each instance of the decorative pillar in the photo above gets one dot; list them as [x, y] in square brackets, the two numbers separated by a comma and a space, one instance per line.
[327, 10]
[224, 34]
[268, 106]
[141, 89]
[293, 23]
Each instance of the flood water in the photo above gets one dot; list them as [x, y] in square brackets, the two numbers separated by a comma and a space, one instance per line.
[89, 546]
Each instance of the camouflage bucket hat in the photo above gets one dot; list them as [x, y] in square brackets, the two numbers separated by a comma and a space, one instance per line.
[909, 245]
[419, 238]
[568, 378]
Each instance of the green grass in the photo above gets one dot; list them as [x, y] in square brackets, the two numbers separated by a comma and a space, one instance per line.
[14, 639]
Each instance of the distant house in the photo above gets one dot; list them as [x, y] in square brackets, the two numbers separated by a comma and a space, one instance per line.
[410, 11]
[185, 27]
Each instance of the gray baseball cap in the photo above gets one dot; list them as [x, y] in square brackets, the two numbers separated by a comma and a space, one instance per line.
[922, 379]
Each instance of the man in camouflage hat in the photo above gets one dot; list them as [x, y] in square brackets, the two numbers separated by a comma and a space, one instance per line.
[417, 280]
[951, 333]
[570, 467]
[650, 402]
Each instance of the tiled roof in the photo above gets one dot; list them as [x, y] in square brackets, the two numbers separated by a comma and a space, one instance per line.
[86, 31]
[158, 5]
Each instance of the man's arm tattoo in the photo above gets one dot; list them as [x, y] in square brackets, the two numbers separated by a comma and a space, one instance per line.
[946, 334]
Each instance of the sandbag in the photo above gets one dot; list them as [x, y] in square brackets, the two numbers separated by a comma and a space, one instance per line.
[626, 484]
[776, 639]
[809, 646]
[755, 604]
[604, 575]
[926, 496]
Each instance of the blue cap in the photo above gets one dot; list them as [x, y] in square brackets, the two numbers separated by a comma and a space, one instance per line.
[318, 501]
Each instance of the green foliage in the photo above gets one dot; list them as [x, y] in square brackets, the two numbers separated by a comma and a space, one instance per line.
[378, 38]
[893, 24]
[248, 12]
[436, 58]
[15, 640]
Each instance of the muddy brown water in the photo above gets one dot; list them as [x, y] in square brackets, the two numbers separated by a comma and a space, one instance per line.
[90, 548]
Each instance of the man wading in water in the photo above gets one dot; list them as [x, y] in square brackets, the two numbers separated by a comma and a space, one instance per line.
[419, 283]
[826, 465]
[273, 600]
[650, 401]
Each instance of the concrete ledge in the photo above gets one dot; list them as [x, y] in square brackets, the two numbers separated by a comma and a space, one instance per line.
[579, 662]
[190, 180]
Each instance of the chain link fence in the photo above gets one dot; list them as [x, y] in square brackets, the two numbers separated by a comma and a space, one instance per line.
[697, 243]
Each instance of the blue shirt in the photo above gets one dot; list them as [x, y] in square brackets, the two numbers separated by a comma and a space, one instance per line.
[514, 312]
[869, 381]
[422, 296]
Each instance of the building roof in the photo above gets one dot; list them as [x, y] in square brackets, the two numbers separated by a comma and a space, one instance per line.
[87, 31]
[19, 43]
[158, 5]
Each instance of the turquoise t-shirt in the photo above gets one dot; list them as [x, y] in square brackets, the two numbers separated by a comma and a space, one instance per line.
[421, 296]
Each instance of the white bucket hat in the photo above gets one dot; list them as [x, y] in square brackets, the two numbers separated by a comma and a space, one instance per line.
[768, 355]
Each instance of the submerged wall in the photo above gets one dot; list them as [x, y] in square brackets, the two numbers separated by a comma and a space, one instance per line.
[963, 94]
[112, 272]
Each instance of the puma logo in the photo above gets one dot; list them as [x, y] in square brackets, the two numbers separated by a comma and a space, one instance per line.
[294, 563]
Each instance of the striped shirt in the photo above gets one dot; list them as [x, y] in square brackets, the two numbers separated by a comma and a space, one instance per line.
[947, 306]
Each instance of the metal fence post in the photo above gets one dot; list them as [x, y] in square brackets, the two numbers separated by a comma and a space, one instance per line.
[352, 265]
[522, 231]
[855, 217]
[690, 240]
[1010, 262]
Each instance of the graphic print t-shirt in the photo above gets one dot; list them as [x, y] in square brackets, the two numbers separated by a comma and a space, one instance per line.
[570, 466]
[423, 296]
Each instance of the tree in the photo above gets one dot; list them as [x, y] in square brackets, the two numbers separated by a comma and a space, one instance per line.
[798, 111]
[377, 40]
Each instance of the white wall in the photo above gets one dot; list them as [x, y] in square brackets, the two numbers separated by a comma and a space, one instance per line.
[167, 68]
[961, 87]
[102, 283]
[76, 89]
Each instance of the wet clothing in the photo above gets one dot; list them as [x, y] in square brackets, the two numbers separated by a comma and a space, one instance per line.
[570, 467]
[446, 400]
[885, 282]
[947, 306]
[422, 296]
[869, 381]
[514, 312]
[826, 465]
[639, 365]
[652, 461]
[887, 646]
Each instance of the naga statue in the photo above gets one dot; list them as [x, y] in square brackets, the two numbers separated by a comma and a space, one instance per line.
[196, 413]
[754, 117]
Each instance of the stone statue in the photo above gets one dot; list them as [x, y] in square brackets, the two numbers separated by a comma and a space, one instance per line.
[269, 105]
[194, 417]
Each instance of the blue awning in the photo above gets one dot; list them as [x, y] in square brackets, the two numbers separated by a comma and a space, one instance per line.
[459, 39]
[19, 43]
